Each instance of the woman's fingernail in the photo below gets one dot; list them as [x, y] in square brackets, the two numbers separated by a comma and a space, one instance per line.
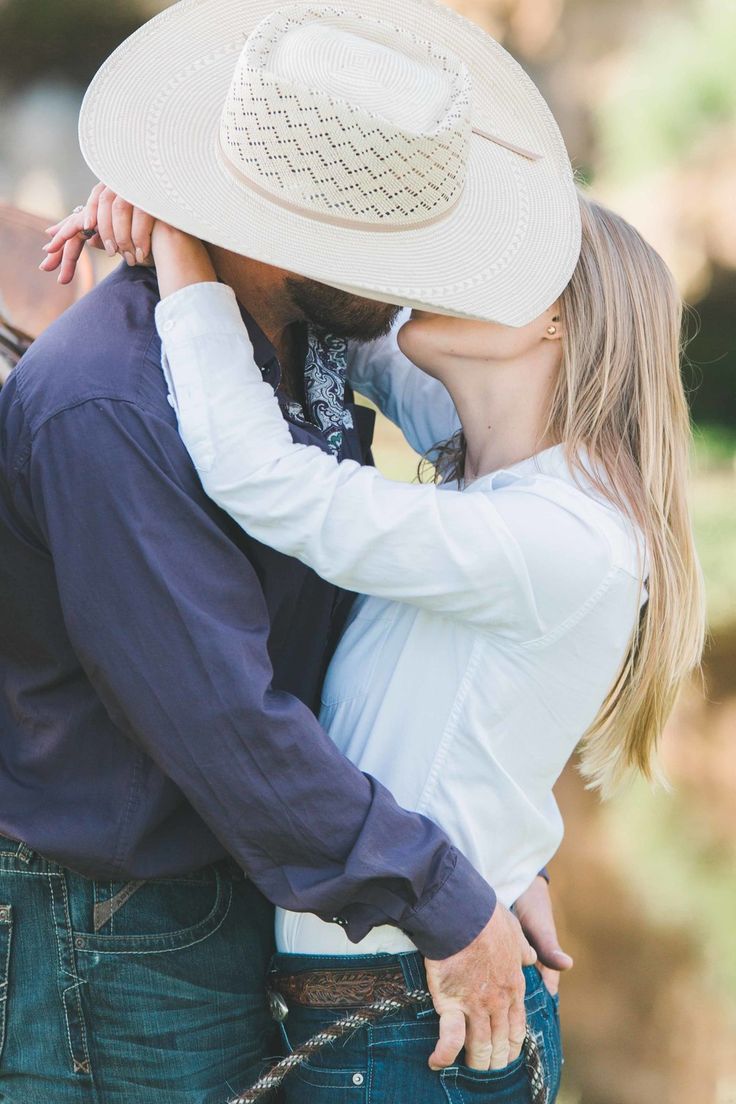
[110, 248]
[140, 255]
[129, 258]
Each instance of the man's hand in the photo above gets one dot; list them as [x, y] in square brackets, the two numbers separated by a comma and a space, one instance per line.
[479, 996]
[534, 911]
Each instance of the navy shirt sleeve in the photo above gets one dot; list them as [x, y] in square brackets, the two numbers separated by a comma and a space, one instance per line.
[169, 622]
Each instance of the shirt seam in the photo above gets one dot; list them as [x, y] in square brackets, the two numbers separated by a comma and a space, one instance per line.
[573, 619]
[451, 727]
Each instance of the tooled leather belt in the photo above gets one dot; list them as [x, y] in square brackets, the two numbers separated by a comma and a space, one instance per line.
[339, 988]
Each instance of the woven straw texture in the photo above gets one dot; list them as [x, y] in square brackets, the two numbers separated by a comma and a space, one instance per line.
[370, 108]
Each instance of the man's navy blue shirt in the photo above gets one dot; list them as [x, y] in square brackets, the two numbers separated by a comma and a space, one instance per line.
[158, 665]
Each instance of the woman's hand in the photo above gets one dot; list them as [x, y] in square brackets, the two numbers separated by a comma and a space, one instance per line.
[141, 239]
[121, 228]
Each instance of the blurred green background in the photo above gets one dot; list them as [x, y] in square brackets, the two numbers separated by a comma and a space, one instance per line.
[645, 886]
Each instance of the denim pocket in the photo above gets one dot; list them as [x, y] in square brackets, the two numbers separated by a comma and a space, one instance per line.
[150, 913]
[6, 932]
[328, 1079]
[511, 1083]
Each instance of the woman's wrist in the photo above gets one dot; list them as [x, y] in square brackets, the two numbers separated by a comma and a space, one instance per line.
[181, 260]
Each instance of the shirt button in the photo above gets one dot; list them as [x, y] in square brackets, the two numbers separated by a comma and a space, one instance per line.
[358, 1078]
[168, 325]
[340, 920]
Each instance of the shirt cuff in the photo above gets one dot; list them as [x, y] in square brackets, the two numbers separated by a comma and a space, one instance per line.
[454, 915]
[198, 310]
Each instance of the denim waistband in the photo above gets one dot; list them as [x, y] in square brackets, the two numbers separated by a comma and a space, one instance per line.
[16, 855]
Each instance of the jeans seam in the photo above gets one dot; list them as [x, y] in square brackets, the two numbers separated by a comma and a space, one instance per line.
[5, 975]
[83, 1065]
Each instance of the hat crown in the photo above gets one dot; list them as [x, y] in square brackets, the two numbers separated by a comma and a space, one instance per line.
[348, 118]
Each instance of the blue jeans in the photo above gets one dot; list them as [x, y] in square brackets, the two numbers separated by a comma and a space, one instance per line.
[387, 1062]
[137, 993]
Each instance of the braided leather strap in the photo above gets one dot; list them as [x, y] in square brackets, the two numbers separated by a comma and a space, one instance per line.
[355, 1020]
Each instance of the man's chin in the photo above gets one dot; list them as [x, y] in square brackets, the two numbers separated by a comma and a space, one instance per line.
[339, 312]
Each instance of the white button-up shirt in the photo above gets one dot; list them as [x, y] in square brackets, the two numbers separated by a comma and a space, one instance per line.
[492, 620]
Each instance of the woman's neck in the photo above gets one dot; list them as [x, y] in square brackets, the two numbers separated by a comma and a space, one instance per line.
[503, 412]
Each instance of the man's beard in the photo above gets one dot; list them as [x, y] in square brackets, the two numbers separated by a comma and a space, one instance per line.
[340, 312]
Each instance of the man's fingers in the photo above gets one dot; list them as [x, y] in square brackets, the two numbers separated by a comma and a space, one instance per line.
[478, 1044]
[528, 954]
[517, 1028]
[500, 1035]
[451, 1040]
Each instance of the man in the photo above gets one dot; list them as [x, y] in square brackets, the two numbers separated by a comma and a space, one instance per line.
[158, 664]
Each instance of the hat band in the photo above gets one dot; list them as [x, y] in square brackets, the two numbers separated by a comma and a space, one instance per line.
[358, 224]
[320, 216]
[507, 145]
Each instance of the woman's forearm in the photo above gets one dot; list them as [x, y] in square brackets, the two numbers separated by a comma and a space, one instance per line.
[180, 259]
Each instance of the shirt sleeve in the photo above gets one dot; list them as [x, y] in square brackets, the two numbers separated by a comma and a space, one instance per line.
[514, 563]
[170, 625]
[415, 402]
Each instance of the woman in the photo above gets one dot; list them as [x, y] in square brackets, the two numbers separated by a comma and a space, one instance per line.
[546, 592]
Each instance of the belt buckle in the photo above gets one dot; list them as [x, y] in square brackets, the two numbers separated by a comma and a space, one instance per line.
[278, 1006]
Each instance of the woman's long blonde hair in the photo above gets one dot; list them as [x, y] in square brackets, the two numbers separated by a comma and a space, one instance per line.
[620, 397]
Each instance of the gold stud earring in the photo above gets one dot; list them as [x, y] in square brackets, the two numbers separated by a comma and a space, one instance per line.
[551, 329]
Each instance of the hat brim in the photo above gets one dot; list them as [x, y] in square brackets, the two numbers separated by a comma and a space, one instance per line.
[149, 128]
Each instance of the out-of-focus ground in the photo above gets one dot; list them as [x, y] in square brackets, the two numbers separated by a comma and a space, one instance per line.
[645, 886]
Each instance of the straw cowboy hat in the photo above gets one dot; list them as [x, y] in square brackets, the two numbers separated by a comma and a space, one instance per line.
[390, 148]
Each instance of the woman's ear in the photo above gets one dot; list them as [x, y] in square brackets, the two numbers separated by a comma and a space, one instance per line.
[552, 326]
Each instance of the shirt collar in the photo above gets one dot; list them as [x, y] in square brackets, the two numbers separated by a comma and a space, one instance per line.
[263, 349]
[550, 461]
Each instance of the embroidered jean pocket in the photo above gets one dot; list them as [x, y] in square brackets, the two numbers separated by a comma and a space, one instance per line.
[6, 932]
[161, 915]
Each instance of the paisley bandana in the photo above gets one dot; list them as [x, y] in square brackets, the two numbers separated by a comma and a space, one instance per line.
[325, 371]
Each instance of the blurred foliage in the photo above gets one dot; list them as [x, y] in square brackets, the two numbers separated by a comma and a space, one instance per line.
[710, 368]
[678, 80]
[668, 851]
[62, 38]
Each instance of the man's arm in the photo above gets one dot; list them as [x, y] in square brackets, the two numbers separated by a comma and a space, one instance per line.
[170, 624]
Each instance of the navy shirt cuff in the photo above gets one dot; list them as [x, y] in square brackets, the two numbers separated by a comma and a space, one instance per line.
[451, 918]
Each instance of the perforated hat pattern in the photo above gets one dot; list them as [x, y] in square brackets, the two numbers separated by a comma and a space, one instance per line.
[378, 157]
